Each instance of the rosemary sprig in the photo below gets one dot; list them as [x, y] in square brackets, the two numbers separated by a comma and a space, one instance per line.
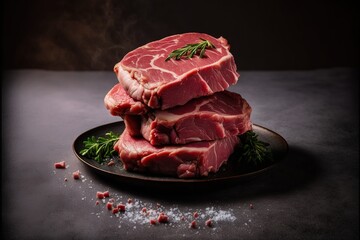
[100, 148]
[253, 151]
[191, 49]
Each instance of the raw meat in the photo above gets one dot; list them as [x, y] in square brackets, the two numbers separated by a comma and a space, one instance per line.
[184, 161]
[76, 175]
[220, 115]
[217, 116]
[119, 103]
[147, 77]
[60, 164]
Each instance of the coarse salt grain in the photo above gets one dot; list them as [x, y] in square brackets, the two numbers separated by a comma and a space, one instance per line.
[143, 213]
[220, 215]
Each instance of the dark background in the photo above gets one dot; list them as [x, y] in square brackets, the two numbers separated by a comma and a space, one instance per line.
[95, 34]
[314, 195]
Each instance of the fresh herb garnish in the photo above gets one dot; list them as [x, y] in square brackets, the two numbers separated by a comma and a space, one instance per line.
[100, 148]
[254, 151]
[190, 50]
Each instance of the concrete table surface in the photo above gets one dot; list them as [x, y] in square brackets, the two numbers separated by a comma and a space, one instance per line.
[313, 194]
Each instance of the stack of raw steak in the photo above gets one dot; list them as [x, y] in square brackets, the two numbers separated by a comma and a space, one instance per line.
[180, 119]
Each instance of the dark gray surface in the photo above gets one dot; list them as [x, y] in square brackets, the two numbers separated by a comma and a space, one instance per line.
[312, 195]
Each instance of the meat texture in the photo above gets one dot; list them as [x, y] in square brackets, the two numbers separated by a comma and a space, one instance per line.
[217, 116]
[185, 161]
[119, 103]
[147, 77]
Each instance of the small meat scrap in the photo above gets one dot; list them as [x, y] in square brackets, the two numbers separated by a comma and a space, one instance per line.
[209, 223]
[76, 175]
[111, 163]
[163, 218]
[106, 194]
[115, 210]
[193, 224]
[121, 207]
[60, 164]
[100, 195]
[109, 205]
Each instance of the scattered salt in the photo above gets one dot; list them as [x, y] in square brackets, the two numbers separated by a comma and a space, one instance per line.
[146, 213]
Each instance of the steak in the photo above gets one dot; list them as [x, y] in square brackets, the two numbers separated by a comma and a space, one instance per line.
[185, 161]
[147, 77]
[217, 116]
[119, 103]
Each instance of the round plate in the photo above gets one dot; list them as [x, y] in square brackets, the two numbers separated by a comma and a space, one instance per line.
[231, 172]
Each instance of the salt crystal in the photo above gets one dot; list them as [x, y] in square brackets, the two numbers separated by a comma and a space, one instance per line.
[138, 212]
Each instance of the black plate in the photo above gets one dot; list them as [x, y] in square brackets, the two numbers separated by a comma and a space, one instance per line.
[231, 172]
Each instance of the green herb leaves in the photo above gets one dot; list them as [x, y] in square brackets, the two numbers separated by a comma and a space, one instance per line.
[254, 151]
[101, 147]
[190, 50]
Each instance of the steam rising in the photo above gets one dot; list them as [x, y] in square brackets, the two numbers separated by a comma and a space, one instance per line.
[98, 32]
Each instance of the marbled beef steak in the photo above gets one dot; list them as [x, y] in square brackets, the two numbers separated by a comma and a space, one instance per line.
[183, 161]
[147, 77]
[213, 117]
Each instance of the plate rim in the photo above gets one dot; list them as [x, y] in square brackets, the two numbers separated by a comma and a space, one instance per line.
[169, 179]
